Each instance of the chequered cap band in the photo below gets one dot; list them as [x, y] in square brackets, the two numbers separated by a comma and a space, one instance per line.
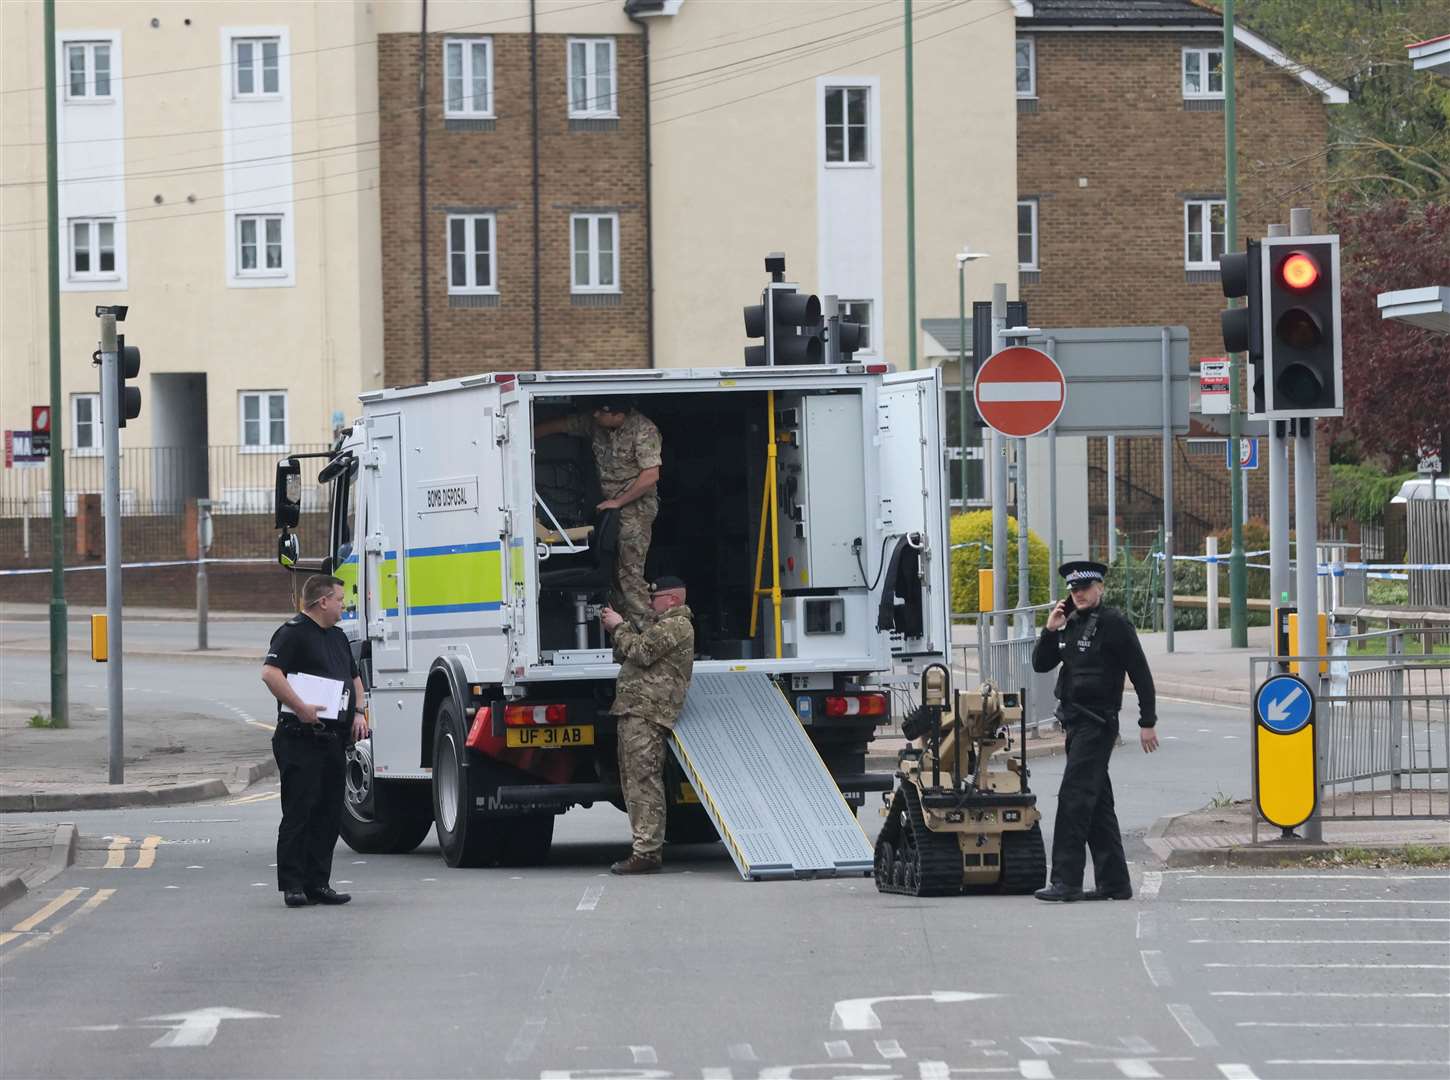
[1083, 575]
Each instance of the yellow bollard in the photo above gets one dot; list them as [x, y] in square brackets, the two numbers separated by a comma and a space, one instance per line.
[984, 590]
[1294, 642]
[100, 643]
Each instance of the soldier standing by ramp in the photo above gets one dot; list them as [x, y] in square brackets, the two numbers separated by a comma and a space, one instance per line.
[627, 449]
[654, 674]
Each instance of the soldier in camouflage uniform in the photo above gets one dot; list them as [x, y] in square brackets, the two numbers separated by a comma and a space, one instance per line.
[654, 672]
[627, 455]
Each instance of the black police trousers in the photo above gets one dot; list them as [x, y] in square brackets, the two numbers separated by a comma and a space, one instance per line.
[312, 768]
[1085, 812]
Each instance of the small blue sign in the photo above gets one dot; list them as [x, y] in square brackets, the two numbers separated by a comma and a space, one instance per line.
[1248, 453]
[1284, 704]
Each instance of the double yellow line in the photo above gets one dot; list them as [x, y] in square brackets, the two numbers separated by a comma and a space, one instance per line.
[145, 858]
[27, 927]
[261, 796]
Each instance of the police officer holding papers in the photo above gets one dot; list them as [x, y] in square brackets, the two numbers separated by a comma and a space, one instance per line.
[1096, 647]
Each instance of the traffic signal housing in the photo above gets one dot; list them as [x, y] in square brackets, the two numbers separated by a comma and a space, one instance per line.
[128, 366]
[1303, 357]
[1241, 275]
[797, 333]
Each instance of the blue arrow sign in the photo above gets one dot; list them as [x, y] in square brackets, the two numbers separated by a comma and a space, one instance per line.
[1284, 704]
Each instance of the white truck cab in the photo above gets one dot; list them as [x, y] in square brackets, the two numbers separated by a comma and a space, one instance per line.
[475, 566]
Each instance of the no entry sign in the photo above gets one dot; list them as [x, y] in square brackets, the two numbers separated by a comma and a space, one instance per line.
[1020, 391]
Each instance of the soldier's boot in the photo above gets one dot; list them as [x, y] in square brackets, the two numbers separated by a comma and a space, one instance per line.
[637, 864]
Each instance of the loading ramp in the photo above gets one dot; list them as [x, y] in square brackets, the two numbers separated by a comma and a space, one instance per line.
[766, 789]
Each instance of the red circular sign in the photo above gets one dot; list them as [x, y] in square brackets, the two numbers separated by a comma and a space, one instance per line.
[1020, 391]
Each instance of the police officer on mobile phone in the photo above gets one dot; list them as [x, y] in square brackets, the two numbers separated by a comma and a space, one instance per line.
[1096, 646]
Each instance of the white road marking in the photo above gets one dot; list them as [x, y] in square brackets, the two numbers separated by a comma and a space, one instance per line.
[1231, 737]
[196, 868]
[1147, 925]
[1313, 877]
[359, 862]
[858, 1014]
[1152, 882]
[1351, 1061]
[171, 886]
[742, 1052]
[716, 1073]
[644, 1055]
[1158, 973]
[1332, 1024]
[426, 879]
[1285, 900]
[1134, 1068]
[259, 884]
[1034, 1069]
[1314, 918]
[590, 900]
[838, 1048]
[344, 882]
[1314, 941]
[889, 1049]
[1236, 1072]
[1321, 994]
[1196, 1030]
[1352, 967]
[199, 1027]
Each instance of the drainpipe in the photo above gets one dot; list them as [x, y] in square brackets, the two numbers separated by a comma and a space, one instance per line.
[423, 184]
[534, 140]
[630, 10]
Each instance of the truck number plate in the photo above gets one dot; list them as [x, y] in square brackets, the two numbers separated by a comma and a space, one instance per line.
[560, 737]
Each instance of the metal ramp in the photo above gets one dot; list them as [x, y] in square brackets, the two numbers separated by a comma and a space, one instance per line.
[762, 782]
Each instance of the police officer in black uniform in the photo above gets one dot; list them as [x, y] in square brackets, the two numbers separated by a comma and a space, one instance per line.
[1096, 646]
[310, 751]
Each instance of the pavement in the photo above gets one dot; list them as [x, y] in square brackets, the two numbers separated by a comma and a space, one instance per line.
[182, 754]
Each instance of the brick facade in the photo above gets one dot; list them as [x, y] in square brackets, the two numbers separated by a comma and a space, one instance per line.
[491, 170]
[1111, 154]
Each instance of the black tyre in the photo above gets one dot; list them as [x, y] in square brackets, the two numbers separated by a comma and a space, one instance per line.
[525, 841]
[466, 837]
[382, 818]
[1024, 861]
[689, 824]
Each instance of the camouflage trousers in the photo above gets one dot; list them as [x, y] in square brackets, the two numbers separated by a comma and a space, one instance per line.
[642, 776]
[631, 592]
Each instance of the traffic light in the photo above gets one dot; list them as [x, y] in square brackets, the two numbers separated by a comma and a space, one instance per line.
[797, 333]
[128, 366]
[1241, 274]
[848, 340]
[1303, 363]
[757, 325]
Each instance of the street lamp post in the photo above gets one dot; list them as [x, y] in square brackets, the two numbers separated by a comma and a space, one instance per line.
[964, 256]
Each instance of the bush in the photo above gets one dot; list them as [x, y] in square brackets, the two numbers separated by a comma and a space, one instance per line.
[1361, 493]
[976, 528]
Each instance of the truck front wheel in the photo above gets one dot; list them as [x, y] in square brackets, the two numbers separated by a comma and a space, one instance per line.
[381, 818]
[466, 836]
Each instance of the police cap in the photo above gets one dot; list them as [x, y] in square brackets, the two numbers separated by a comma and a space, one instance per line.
[1082, 572]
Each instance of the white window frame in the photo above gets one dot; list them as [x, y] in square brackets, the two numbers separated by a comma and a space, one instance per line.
[1206, 205]
[593, 109]
[844, 89]
[88, 51]
[869, 349]
[257, 93]
[592, 286]
[264, 423]
[261, 270]
[96, 446]
[470, 109]
[1031, 43]
[93, 228]
[1035, 207]
[1204, 68]
[470, 251]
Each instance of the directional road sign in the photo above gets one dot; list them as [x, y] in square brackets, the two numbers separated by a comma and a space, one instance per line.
[1286, 766]
[1020, 391]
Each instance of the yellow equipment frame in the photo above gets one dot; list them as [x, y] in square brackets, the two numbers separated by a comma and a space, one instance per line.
[769, 518]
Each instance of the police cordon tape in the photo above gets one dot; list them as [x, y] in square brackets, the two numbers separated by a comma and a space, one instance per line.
[137, 566]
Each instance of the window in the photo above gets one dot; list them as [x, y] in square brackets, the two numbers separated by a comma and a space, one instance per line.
[85, 412]
[468, 77]
[1203, 73]
[92, 249]
[1027, 234]
[591, 77]
[88, 70]
[259, 245]
[1026, 67]
[847, 139]
[264, 419]
[594, 252]
[1203, 233]
[471, 254]
[859, 311]
[255, 62]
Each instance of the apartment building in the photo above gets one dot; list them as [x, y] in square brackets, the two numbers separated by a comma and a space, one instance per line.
[218, 173]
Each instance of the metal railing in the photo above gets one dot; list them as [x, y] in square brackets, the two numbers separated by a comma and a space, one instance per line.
[1005, 659]
[1382, 724]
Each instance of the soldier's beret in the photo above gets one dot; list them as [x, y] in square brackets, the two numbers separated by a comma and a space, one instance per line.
[667, 581]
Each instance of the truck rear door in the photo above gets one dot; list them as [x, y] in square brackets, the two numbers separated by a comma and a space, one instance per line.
[387, 610]
[912, 596]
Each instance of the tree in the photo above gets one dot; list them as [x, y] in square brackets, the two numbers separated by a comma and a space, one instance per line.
[1393, 138]
[1396, 377]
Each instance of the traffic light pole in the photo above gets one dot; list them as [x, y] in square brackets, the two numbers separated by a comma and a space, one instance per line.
[111, 435]
[1281, 584]
[999, 478]
[59, 634]
[1237, 572]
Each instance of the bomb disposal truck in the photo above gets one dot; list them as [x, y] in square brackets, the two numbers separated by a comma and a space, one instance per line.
[803, 506]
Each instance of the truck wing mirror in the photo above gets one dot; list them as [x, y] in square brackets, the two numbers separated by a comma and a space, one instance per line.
[287, 504]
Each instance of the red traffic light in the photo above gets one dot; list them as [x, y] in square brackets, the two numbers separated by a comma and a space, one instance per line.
[1299, 271]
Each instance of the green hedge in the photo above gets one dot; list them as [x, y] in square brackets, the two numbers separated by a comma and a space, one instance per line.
[975, 528]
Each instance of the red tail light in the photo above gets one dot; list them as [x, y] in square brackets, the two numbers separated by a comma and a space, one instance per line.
[529, 715]
[856, 705]
[480, 729]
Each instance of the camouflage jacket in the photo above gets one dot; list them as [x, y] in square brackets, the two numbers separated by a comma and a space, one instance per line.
[654, 666]
[622, 453]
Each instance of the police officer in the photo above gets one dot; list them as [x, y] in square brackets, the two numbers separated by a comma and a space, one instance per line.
[627, 449]
[309, 749]
[1096, 646]
[655, 664]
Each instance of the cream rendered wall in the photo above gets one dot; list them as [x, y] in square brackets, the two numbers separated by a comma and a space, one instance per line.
[318, 338]
[735, 157]
[504, 17]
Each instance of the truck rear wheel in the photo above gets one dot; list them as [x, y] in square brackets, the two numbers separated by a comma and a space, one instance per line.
[466, 837]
